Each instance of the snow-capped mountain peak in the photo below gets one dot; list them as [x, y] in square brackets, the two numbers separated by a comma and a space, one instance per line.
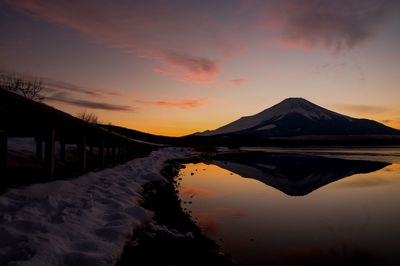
[297, 116]
[299, 106]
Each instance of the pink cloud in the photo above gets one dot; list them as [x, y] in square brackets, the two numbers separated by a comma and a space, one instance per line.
[157, 29]
[237, 81]
[131, 27]
[188, 68]
[230, 83]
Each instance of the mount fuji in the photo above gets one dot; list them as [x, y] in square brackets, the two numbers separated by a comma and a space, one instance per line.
[299, 117]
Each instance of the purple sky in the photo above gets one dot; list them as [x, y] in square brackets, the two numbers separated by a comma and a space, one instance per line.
[176, 67]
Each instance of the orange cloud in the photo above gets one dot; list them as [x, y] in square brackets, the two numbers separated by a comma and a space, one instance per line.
[183, 104]
[362, 108]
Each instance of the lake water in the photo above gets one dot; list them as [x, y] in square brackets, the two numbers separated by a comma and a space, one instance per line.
[299, 207]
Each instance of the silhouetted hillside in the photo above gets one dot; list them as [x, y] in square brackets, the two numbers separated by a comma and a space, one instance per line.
[142, 136]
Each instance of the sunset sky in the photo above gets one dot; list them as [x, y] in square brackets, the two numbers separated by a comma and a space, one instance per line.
[177, 67]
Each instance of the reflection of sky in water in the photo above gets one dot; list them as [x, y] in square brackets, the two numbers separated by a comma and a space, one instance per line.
[386, 154]
[354, 217]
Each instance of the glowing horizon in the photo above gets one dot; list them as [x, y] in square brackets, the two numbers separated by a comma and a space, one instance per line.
[179, 67]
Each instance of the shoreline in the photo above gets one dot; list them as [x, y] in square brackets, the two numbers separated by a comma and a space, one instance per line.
[79, 221]
[171, 238]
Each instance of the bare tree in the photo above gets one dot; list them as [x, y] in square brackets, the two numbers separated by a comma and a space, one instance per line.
[29, 88]
[88, 117]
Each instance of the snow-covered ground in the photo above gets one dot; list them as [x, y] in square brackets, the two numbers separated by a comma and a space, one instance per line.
[82, 221]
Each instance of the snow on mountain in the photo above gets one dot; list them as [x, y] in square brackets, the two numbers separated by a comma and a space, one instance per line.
[297, 116]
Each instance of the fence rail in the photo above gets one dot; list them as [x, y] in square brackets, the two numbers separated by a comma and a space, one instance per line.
[21, 117]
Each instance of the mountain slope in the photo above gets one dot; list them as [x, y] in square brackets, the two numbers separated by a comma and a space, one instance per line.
[141, 136]
[299, 117]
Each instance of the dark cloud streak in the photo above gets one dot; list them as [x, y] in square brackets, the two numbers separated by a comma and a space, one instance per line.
[338, 25]
[52, 85]
[60, 91]
[64, 98]
[193, 63]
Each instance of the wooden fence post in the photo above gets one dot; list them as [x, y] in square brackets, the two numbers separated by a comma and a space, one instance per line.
[114, 154]
[39, 149]
[124, 153]
[3, 153]
[107, 154]
[82, 152]
[102, 156]
[49, 152]
[62, 151]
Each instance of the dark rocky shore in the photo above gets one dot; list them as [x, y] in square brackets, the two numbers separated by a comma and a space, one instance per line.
[172, 238]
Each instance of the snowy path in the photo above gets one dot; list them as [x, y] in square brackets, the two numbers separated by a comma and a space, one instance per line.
[82, 221]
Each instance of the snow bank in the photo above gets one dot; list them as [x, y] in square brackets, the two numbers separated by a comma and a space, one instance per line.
[82, 221]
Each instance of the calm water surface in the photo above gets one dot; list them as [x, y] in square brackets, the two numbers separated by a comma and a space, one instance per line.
[274, 208]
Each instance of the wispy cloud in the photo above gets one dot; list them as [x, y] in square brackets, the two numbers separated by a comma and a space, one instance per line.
[53, 85]
[183, 104]
[183, 67]
[361, 108]
[189, 45]
[66, 98]
[130, 26]
[338, 25]
[230, 83]
[72, 94]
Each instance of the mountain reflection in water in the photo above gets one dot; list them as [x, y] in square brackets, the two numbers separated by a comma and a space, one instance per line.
[294, 175]
[347, 214]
